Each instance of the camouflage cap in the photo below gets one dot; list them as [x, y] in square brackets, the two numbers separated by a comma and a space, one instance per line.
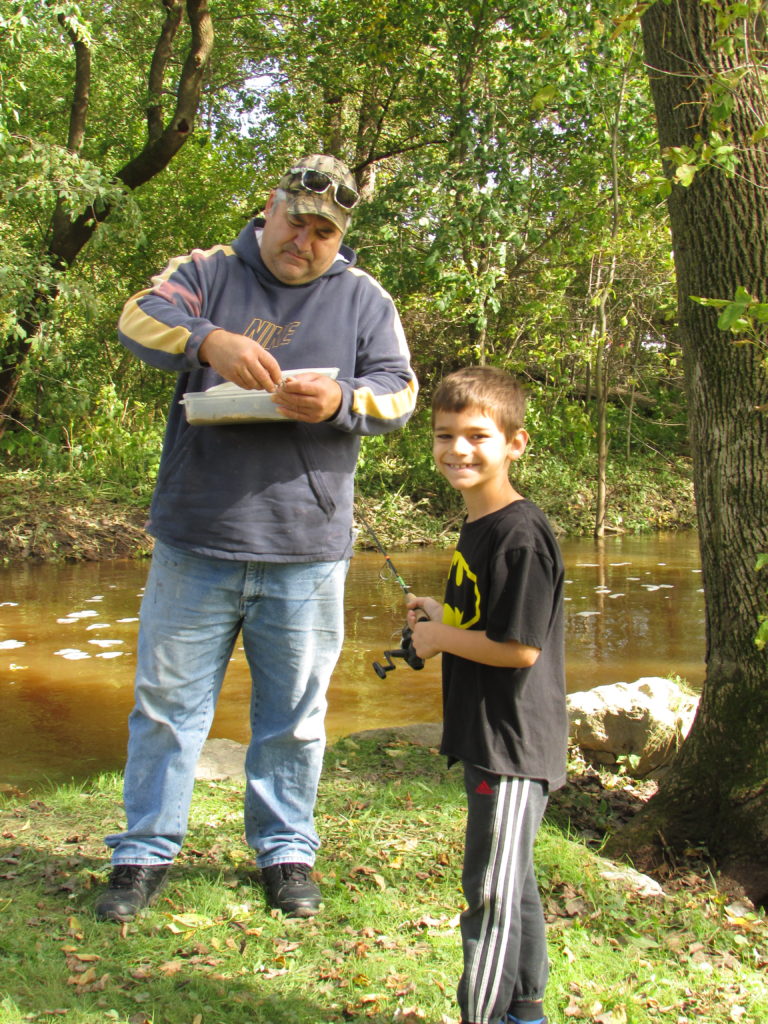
[302, 198]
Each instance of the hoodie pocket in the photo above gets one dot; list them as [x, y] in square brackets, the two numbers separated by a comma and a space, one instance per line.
[309, 452]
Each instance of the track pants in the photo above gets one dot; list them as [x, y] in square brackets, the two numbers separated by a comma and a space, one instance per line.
[502, 930]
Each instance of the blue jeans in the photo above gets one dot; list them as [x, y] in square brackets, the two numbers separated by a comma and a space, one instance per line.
[194, 607]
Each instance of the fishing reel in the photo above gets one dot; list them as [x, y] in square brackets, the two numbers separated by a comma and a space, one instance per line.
[406, 651]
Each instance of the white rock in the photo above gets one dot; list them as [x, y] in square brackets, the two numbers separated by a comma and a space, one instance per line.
[648, 719]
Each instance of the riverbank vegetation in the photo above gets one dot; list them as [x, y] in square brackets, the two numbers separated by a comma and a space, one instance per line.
[90, 501]
[386, 947]
[59, 513]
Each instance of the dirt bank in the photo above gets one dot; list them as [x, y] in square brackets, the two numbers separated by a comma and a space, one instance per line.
[58, 522]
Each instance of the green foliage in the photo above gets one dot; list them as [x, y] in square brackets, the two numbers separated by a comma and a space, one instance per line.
[647, 490]
[742, 315]
[91, 433]
[480, 137]
[761, 639]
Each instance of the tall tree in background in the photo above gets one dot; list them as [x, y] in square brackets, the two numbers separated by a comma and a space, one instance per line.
[80, 191]
[708, 74]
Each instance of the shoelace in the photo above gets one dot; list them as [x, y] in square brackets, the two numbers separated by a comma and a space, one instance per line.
[123, 876]
[294, 872]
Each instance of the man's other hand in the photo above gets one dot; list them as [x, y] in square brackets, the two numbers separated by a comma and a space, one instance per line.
[310, 397]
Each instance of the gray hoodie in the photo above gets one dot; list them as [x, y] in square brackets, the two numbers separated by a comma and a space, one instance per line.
[272, 491]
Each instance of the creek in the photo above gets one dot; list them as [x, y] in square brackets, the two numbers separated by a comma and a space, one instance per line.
[634, 607]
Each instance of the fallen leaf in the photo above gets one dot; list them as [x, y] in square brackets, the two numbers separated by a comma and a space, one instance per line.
[282, 946]
[192, 920]
[618, 1015]
[409, 1014]
[575, 907]
[573, 1009]
[170, 967]
[86, 978]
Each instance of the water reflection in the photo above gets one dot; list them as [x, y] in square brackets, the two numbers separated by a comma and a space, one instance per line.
[68, 633]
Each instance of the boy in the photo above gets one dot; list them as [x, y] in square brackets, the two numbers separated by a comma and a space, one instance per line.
[500, 630]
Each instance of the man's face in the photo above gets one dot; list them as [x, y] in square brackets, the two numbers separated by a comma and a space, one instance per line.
[297, 248]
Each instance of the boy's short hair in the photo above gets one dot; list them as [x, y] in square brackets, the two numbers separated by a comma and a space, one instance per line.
[487, 388]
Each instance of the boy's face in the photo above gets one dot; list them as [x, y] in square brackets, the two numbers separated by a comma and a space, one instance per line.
[472, 453]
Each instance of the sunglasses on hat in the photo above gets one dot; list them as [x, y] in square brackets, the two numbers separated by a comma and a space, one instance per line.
[319, 182]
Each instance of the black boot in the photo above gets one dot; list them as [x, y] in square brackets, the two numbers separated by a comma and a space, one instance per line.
[131, 888]
[290, 889]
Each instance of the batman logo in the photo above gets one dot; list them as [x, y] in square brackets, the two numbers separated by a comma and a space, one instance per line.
[463, 588]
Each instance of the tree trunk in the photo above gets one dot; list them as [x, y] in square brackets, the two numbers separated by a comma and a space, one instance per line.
[69, 235]
[601, 416]
[716, 792]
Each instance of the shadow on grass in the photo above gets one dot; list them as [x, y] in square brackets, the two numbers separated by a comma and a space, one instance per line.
[172, 964]
[592, 807]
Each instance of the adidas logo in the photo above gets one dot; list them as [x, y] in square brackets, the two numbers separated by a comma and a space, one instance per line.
[484, 789]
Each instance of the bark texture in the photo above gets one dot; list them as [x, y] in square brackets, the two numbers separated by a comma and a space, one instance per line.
[716, 793]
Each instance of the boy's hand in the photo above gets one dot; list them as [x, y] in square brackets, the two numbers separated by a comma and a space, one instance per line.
[426, 606]
[423, 630]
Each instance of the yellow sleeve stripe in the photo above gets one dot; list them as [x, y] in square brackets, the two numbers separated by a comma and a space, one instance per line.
[179, 261]
[149, 332]
[385, 407]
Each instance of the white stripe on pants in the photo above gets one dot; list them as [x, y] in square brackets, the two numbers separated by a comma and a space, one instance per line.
[503, 931]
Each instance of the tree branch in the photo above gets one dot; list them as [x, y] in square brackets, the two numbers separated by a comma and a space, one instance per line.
[160, 150]
[163, 143]
[78, 111]
[397, 151]
[157, 69]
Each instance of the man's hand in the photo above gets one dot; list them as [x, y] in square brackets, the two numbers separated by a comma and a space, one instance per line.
[310, 397]
[241, 360]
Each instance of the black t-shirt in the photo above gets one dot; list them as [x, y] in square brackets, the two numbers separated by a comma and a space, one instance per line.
[506, 578]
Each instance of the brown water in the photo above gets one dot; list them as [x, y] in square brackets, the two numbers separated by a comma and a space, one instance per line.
[68, 633]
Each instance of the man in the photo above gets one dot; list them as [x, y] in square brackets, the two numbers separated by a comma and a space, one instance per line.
[253, 522]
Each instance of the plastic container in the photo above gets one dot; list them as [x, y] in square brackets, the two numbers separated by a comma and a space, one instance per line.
[228, 403]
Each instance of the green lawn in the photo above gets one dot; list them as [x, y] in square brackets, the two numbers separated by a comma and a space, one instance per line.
[386, 947]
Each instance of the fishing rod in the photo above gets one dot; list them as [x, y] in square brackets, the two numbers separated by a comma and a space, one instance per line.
[406, 649]
[389, 563]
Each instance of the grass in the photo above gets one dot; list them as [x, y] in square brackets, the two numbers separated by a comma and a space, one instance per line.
[386, 947]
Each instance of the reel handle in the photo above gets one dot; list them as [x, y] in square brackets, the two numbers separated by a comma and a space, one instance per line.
[405, 651]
